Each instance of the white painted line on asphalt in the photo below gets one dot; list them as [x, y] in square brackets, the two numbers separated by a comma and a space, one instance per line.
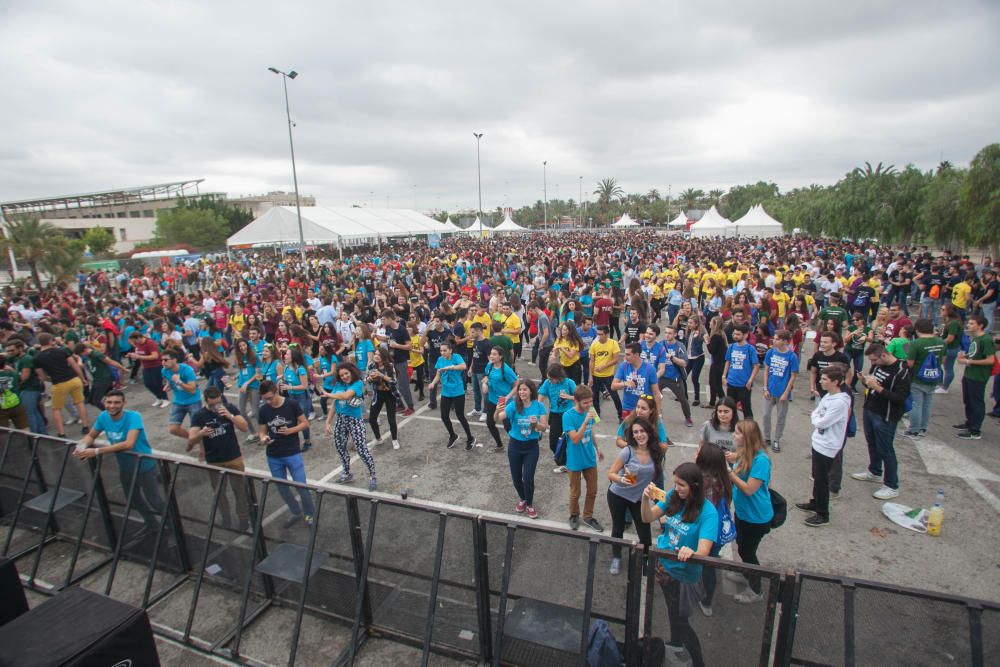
[986, 494]
[354, 459]
[942, 459]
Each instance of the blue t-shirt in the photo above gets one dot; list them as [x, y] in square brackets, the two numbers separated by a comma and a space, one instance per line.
[269, 370]
[645, 383]
[327, 364]
[295, 376]
[258, 347]
[117, 432]
[670, 350]
[246, 372]
[186, 374]
[587, 337]
[742, 358]
[676, 534]
[362, 349]
[653, 354]
[551, 391]
[587, 302]
[501, 381]
[520, 422]
[451, 380]
[342, 407]
[756, 508]
[781, 366]
[581, 455]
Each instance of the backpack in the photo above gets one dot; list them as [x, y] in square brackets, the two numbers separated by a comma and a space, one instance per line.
[560, 454]
[934, 292]
[860, 300]
[930, 370]
[602, 649]
[852, 422]
[780, 507]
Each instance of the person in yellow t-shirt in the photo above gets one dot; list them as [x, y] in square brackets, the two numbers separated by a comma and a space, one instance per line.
[476, 315]
[960, 294]
[416, 360]
[511, 324]
[605, 354]
[782, 300]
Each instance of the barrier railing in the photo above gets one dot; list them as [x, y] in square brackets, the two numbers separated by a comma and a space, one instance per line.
[221, 564]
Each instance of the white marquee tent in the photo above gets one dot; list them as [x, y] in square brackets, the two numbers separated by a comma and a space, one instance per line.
[680, 222]
[757, 222]
[477, 228]
[625, 221]
[713, 224]
[322, 225]
[509, 225]
[451, 227]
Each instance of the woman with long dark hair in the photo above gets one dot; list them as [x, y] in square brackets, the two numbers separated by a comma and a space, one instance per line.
[750, 476]
[382, 377]
[347, 406]
[711, 460]
[294, 379]
[526, 420]
[635, 467]
[248, 379]
[449, 369]
[717, 351]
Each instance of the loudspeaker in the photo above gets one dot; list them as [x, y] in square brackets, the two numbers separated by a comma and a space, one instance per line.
[79, 628]
[12, 600]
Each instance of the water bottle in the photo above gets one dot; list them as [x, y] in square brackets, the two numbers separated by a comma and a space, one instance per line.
[596, 417]
[936, 516]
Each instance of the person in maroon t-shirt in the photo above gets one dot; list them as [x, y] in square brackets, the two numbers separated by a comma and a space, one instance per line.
[147, 352]
[603, 308]
[896, 323]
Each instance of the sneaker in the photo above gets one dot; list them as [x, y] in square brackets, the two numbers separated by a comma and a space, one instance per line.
[616, 566]
[395, 444]
[696, 402]
[74, 420]
[318, 417]
[866, 477]
[452, 440]
[531, 512]
[767, 443]
[520, 507]
[835, 495]
[472, 413]
[886, 493]
[372, 484]
[574, 522]
[469, 444]
[911, 435]
[817, 521]
[292, 520]
[306, 446]
[688, 422]
[748, 596]
[558, 469]
[164, 404]
[345, 478]
[775, 446]
[156, 403]
[961, 427]
[430, 406]
[940, 390]
[732, 575]
[970, 435]
[594, 524]
[252, 438]
[805, 507]
[407, 412]
[482, 417]
[308, 518]
[706, 609]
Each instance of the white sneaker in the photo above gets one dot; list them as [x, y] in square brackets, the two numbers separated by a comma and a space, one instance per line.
[74, 420]
[560, 469]
[865, 477]
[748, 596]
[395, 444]
[482, 417]
[156, 403]
[734, 576]
[472, 413]
[940, 390]
[886, 493]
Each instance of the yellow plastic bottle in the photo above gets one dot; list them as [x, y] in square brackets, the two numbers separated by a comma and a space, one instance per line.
[936, 516]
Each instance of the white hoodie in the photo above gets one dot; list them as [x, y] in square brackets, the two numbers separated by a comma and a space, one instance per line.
[829, 421]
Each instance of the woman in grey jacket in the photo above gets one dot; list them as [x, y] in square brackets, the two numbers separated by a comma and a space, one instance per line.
[829, 420]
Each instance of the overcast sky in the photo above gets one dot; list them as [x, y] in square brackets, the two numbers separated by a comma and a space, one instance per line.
[121, 93]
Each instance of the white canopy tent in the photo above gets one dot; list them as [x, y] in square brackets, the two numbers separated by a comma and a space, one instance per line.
[477, 228]
[327, 225]
[758, 223]
[713, 224]
[451, 227]
[680, 222]
[509, 225]
[625, 221]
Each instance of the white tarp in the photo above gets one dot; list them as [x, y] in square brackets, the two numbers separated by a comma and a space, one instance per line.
[680, 222]
[625, 221]
[325, 225]
[509, 225]
[478, 228]
[713, 224]
[451, 227]
[758, 223]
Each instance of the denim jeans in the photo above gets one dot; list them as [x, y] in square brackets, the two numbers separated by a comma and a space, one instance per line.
[949, 366]
[923, 395]
[880, 433]
[523, 459]
[292, 466]
[930, 309]
[477, 391]
[29, 399]
[215, 379]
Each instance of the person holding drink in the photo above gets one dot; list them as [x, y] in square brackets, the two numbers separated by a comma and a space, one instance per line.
[582, 456]
[526, 421]
[498, 383]
[635, 468]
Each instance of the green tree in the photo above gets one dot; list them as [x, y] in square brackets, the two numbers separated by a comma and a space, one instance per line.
[63, 257]
[608, 194]
[941, 218]
[204, 229]
[740, 198]
[980, 199]
[691, 198]
[29, 238]
[236, 218]
[99, 240]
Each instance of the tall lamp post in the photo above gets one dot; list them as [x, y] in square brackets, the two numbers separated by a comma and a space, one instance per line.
[545, 194]
[579, 204]
[285, 76]
[479, 179]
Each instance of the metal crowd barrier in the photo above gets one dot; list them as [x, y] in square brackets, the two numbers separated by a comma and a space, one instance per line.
[219, 571]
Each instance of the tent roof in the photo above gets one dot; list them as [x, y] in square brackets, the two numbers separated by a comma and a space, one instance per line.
[625, 221]
[712, 220]
[322, 224]
[509, 225]
[451, 227]
[680, 221]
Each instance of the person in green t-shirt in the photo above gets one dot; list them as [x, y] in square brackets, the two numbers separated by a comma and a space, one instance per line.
[978, 362]
[833, 312]
[952, 335]
[30, 387]
[899, 345]
[11, 410]
[927, 373]
[98, 367]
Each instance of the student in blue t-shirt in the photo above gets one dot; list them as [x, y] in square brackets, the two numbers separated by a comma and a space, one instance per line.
[248, 382]
[126, 432]
[588, 334]
[691, 528]
[347, 406]
[327, 374]
[781, 365]
[184, 385]
[557, 392]
[498, 383]
[294, 379]
[635, 378]
[751, 477]
[582, 456]
[526, 420]
[740, 370]
[450, 367]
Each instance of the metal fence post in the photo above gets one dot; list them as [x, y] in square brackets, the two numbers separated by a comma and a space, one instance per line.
[200, 575]
[633, 598]
[297, 627]
[245, 595]
[482, 579]
[20, 496]
[432, 601]
[588, 601]
[788, 598]
[49, 518]
[504, 585]
[361, 595]
[849, 624]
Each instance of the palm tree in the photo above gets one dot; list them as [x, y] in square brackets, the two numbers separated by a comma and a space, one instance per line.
[608, 190]
[691, 198]
[653, 195]
[30, 238]
[715, 195]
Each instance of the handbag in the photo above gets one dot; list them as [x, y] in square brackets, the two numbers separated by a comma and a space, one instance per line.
[9, 400]
[780, 507]
[727, 527]
[560, 454]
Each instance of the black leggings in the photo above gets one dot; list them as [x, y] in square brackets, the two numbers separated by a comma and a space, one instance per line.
[491, 424]
[748, 537]
[605, 383]
[715, 392]
[618, 506]
[573, 371]
[458, 404]
[696, 365]
[383, 398]
[555, 430]
[681, 632]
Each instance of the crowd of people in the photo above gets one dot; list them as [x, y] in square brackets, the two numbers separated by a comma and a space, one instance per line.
[543, 330]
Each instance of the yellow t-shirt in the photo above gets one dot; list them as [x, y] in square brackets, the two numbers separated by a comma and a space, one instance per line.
[782, 300]
[416, 354]
[561, 347]
[237, 322]
[602, 353]
[512, 322]
[482, 318]
[960, 295]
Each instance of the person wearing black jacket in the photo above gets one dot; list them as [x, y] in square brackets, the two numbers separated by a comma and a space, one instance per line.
[888, 387]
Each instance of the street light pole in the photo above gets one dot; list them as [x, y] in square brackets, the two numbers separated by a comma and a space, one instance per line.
[285, 76]
[479, 179]
[579, 204]
[545, 194]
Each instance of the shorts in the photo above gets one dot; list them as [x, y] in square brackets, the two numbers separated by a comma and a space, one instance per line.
[72, 388]
[177, 412]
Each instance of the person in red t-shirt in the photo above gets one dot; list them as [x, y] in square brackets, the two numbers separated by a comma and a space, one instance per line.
[897, 321]
[147, 352]
[603, 308]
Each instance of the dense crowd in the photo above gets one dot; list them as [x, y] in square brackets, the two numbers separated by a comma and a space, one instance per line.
[543, 330]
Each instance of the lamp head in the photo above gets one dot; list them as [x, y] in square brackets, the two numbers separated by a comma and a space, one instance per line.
[292, 74]
[274, 69]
